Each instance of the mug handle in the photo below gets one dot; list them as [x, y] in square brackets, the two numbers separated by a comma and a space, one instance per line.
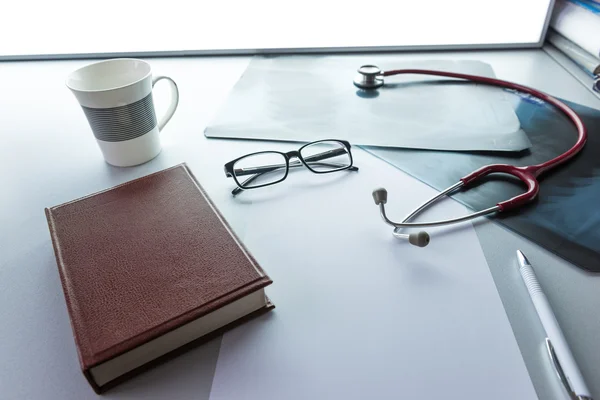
[174, 101]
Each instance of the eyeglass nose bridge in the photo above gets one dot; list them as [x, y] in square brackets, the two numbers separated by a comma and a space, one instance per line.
[294, 153]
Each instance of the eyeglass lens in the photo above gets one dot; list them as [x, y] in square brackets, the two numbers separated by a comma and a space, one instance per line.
[326, 156]
[260, 169]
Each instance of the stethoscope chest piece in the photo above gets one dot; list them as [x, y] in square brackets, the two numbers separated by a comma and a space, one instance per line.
[368, 77]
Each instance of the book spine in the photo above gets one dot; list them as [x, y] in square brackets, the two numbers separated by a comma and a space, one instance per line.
[588, 5]
[73, 309]
[578, 24]
[585, 60]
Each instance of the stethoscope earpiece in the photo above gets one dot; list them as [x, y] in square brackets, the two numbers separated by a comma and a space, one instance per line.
[420, 239]
[380, 196]
[368, 77]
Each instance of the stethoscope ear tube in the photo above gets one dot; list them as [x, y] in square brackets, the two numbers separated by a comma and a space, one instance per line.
[380, 197]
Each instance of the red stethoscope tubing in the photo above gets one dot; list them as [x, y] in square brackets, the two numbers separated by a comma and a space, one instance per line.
[526, 174]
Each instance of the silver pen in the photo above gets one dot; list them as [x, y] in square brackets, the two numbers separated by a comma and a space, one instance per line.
[556, 344]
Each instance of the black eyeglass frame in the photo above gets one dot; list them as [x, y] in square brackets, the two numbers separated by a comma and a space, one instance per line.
[230, 173]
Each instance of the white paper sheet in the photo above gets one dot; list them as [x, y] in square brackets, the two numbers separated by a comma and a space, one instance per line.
[300, 98]
[360, 314]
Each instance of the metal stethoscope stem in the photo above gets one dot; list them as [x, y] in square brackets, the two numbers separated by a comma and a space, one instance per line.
[380, 198]
[451, 189]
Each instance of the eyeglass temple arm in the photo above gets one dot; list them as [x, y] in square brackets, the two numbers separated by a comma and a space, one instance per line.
[292, 165]
[267, 168]
[326, 154]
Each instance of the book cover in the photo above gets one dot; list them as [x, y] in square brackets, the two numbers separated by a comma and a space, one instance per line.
[146, 259]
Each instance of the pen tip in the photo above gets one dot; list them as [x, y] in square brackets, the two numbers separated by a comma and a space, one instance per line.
[522, 259]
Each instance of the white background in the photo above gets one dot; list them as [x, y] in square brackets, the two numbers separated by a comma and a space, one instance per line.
[110, 26]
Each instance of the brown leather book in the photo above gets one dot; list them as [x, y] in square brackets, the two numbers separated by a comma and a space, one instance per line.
[149, 268]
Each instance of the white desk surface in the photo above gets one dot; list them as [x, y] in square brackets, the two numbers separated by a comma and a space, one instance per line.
[48, 156]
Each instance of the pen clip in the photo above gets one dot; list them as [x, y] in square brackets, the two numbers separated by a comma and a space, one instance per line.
[559, 370]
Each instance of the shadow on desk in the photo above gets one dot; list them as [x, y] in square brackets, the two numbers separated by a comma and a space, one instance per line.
[190, 372]
[294, 182]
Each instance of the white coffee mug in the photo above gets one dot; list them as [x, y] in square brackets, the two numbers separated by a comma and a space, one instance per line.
[116, 97]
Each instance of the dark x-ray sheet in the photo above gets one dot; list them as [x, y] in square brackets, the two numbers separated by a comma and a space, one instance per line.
[566, 216]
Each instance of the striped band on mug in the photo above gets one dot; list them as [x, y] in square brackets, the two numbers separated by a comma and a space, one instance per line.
[122, 123]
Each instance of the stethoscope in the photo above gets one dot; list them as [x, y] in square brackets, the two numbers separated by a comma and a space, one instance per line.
[371, 77]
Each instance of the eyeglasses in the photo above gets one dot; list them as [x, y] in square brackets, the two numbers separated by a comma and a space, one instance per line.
[270, 167]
